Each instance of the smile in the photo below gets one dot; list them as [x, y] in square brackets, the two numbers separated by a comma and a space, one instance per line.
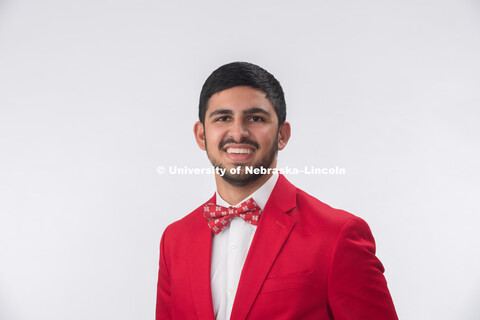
[238, 150]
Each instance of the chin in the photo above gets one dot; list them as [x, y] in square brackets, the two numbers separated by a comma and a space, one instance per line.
[240, 180]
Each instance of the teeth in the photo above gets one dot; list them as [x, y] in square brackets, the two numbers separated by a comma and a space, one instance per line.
[237, 150]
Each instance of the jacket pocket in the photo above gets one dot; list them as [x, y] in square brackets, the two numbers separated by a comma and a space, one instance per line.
[287, 282]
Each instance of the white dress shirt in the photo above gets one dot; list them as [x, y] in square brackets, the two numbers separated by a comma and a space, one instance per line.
[229, 251]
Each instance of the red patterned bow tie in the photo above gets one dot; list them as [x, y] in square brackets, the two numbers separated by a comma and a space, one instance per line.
[219, 217]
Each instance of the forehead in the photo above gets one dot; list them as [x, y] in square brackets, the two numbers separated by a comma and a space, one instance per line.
[239, 98]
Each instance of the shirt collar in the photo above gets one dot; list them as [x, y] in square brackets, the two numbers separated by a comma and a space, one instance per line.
[260, 196]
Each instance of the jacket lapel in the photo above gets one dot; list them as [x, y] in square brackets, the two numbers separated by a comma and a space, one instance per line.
[199, 265]
[272, 232]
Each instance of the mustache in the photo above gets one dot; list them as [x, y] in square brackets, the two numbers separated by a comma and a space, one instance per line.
[242, 141]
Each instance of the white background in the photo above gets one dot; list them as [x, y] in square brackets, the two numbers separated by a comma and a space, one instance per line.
[94, 95]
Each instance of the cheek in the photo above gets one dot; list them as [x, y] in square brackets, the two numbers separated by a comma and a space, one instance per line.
[213, 139]
[266, 136]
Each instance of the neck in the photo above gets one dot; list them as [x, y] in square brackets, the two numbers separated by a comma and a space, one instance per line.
[234, 194]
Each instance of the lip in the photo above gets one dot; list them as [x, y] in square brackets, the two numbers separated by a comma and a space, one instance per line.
[239, 157]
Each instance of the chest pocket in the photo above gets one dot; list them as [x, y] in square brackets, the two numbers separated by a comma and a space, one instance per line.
[288, 282]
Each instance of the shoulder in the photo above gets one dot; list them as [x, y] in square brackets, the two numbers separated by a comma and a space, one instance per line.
[317, 214]
[311, 205]
[309, 210]
[180, 227]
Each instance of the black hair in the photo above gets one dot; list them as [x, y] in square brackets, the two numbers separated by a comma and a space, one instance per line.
[243, 74]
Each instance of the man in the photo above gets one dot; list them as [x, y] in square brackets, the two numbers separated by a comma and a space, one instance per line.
[260, 248]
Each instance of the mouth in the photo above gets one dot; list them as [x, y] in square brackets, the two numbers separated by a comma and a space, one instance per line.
[238, 150]
[239, 154]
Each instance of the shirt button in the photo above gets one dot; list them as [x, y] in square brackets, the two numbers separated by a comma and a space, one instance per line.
[234, 246]
[230, 292]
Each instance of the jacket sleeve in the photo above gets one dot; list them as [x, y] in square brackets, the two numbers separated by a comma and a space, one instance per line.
[164, 303]
[357, 288]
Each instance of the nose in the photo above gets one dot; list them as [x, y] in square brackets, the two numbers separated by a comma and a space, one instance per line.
[238, 130]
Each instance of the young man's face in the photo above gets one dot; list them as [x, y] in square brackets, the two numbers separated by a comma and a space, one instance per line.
[241, 129]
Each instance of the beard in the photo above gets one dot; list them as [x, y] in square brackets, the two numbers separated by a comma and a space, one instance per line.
[243, 179]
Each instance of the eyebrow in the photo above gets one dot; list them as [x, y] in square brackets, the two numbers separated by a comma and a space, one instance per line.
[256, 110]
[220, 111]
[246, 112]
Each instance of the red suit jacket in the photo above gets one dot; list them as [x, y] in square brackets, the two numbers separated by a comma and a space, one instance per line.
[306, 261]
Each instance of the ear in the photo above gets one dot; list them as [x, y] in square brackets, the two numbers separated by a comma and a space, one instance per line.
[283, 135]
[199, 132]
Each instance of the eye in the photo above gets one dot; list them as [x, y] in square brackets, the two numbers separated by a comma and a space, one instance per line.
[221, 119]
[256, 119]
